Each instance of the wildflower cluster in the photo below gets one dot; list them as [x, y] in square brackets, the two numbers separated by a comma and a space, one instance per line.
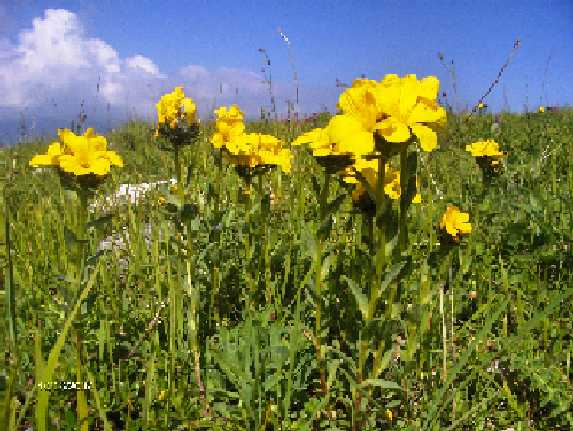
[83, 157]
[375, 115]
[177, 117]
[248, 151]
[369, 170]
[229, 125]
[455, 222]
[487, 154]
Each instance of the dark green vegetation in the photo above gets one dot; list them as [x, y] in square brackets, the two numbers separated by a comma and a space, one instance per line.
[480, 338]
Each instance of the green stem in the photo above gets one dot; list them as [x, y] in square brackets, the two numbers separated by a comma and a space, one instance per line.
[264, 239]
[380, 264]
[10, 285]
[178, 174]
[318, 282]
[10, 318]
[251, 298]
[48, 370]
[381, 242]
[82, 407]
[404, 177]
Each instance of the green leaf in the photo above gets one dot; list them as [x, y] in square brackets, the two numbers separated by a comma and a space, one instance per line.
[101, 223]
[327, 264]
[94, 258]
[392, 274]
[189, 174]
[359, 296]
[333, 206]
[380, 383]
[324, 230]
[315, 186]
[366, 185]
[411, 184]
[436, 403]
[71, 238]
[189, 212]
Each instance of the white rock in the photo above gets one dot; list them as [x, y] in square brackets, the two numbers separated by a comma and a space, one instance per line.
[132, 193]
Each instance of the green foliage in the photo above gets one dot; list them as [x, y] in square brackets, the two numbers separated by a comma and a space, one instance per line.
[204, 317]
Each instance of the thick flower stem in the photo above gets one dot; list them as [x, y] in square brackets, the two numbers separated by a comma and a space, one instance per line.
[193, 328]
[264, 240]
[250, 300]
[380, 264]
[178, 174]
[404, 177]
[318, 282]
[82, 407]
[381, 240]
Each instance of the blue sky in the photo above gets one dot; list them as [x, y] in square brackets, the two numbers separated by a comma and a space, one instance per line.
[54, 53]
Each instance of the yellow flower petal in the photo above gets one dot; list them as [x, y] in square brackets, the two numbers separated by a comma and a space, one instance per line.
[41, 160]
[393, 130]
[428, 88]
[100, 166]
[113, 158]
[409, 93]
[428, 138]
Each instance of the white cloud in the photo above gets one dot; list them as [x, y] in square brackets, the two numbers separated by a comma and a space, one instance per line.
[54, 66]
[144, 64]
[55, 60]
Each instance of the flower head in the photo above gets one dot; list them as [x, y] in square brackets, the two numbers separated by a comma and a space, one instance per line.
[455, 222]
[362, 102]
[487, 148]
[369, 170]
[487, 154]
[174, 108]
[344, 135]
[254, 149]
[229, 125]
[409, 106]
[247, 150]
[541, 109]
[79, 155]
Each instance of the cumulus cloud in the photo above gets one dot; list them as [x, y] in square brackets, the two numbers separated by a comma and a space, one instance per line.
[54, 66]
[56, 60]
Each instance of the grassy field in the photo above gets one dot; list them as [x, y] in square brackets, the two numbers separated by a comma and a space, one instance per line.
[206, 316]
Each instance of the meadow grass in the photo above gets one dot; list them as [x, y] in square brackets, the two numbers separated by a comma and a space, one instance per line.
[208, 320]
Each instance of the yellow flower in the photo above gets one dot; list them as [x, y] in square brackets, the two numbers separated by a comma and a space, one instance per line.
[80, 155]
[361, 101]
[369, 169]
[455, 222]
[174, 108]
[161, 395]
[247, 149]
[255, 149]
[487, 148]
[54, 153]
[161, 201]
[409, 105]
[229, 125]
[389, 414]
[395, 108]
[344, 135]
[541, 109]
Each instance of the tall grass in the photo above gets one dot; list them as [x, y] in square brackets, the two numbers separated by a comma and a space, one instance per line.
[217, 324]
